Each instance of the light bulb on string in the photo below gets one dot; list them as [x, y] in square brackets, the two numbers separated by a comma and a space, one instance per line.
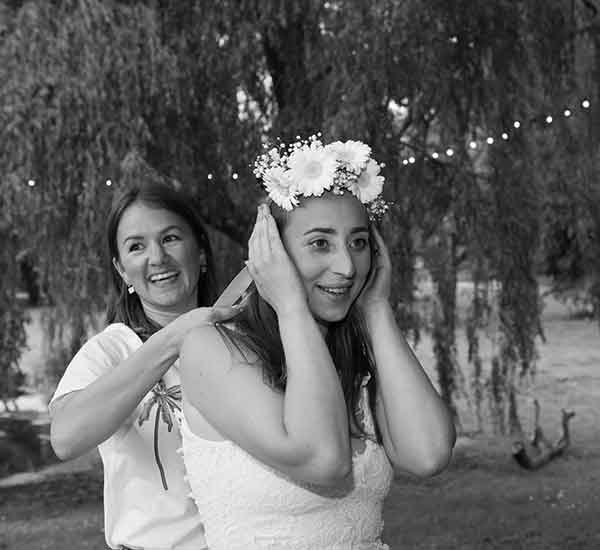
[472, 145]
[108, 183]
[31, 183]
[490, 140]
[405, 162]
[549, 119]
[210, 176]
[435, 155]
[585, 103]
[449, 151]
[504, 136]
[567, 112]
[234, 176]
[411, 160]
[516, 124]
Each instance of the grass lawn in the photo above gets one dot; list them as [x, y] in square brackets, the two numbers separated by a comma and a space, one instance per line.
[483, 501]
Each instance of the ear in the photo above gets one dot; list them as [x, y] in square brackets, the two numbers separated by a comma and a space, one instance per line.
[117, 265]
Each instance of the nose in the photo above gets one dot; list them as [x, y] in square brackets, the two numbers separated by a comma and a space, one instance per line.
[343, 263]
[156, 253]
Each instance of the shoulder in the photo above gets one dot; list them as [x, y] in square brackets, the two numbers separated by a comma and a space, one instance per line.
[205, 339]
[203, 352]
[210, 355]
[116, 340]
[208, 343]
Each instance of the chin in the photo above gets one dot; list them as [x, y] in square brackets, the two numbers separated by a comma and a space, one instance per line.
[331, 316]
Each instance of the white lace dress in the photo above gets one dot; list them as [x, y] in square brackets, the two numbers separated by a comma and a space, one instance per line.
[246, 505]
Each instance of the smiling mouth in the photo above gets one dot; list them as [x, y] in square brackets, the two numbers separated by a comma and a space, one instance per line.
[163, 277]
[335, 291]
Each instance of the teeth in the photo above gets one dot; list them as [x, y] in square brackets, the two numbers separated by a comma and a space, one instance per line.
[336, 291]
[162, 276]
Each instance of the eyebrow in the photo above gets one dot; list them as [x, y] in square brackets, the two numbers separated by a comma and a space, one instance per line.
[165, 230]
[332, 231]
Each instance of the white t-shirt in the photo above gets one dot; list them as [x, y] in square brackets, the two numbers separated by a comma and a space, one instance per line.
[138, 512]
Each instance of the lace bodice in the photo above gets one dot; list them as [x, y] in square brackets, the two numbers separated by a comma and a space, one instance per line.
[246, 505]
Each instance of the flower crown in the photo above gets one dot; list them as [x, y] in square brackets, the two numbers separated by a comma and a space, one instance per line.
[308, 168]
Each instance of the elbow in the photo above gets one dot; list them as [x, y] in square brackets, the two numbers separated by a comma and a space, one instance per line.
[434, 459]
[331, 469]
[431, 465]
[61, 445]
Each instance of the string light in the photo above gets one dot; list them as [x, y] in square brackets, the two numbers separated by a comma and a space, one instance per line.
[474, 144]
[210, 176]
[31, 183]
[234, 176]
[108, 183]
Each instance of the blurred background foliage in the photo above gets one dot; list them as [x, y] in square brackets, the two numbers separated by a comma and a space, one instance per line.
[96, 92]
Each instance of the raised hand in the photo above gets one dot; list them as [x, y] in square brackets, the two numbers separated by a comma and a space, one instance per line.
[271, 268]
[378, 287]
[198, 317]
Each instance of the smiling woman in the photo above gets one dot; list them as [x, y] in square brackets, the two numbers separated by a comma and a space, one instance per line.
[334, 399]
[328, 240]
[162, 276]
[161, 255]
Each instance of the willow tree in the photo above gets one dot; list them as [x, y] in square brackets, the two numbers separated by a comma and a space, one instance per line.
[196, 87]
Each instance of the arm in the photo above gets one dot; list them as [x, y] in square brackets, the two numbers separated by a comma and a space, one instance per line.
[83, 419]
[416, 426]
[302, 432]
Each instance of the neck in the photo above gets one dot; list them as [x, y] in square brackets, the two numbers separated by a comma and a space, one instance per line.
[323, 327]
[162, 316]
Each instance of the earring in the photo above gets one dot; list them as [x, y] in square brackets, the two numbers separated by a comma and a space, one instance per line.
[130, 289]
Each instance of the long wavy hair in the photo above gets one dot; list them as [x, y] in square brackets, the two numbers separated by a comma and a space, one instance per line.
[127, 308]
[256, 329]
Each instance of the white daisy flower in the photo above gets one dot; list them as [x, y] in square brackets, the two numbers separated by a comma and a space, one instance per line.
[369, 184]
[312, 169]
[280, 187]
[354, 154]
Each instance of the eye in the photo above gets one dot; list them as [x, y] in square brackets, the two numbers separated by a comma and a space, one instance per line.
[171, 237]
[360, 244]
[320, 244]
[134, 247]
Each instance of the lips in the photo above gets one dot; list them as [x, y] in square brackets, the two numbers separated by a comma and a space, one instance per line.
[336, 290]
[163, 276]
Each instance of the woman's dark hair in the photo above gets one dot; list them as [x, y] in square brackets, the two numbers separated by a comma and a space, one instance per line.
[127, 308]
[257, 330]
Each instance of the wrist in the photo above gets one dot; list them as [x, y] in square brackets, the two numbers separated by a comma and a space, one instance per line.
[376, 309]
[298, 308]
[293, 313]
[168, 340]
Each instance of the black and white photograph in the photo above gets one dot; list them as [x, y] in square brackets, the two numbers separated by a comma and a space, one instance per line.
[299, 274]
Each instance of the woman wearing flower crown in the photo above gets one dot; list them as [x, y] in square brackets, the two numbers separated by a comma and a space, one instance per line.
[297, 413]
